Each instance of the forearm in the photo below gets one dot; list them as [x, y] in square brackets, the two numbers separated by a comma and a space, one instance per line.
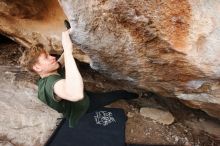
[70, 88]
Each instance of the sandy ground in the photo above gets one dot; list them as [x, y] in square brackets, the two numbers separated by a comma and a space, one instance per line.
[191, 127]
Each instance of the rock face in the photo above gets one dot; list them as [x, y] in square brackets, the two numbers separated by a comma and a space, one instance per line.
[167, 47]
[24, 120]
[160, 116]
[31, 22]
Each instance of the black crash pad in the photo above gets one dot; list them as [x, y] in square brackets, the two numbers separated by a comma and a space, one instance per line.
[102, 127]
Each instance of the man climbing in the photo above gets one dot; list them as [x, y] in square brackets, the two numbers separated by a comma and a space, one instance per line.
[62, 88]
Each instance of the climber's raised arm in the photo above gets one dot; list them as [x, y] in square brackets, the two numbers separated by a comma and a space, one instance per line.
[70, 88]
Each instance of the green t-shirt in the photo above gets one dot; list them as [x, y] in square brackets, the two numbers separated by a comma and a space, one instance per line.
[71, 110]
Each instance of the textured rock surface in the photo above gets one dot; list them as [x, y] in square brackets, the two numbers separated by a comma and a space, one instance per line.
[24, 119]
[167, 47]
[30, 22]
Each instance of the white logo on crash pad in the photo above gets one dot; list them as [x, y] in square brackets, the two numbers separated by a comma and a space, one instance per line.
[104, 118]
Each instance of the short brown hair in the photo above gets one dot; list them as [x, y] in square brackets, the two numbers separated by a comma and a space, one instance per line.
[30, 56]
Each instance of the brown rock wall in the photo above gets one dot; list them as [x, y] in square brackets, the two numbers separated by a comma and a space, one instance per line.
[153, 45]
[167, 47]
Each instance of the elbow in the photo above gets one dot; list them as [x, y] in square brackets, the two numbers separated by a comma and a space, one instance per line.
[75, 98]
[74, 95]
[78, 98]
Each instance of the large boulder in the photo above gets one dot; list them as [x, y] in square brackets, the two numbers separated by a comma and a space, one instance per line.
[24, 120]
[167, 47]
[31, 22]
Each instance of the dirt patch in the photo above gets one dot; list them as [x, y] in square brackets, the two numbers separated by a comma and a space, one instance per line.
[10, 53]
